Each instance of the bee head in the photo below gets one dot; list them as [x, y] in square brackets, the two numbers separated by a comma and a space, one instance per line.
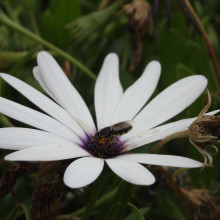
[103, 133]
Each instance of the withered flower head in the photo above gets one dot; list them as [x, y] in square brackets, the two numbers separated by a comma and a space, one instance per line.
[140, 12]
[45, 202]
[205, 132]
[140, 15]
[6, 182]
[201, 201]
[8, 179]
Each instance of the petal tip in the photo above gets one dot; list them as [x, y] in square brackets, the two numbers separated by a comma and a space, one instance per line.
[155, 66]
[198, 164]
[35, 69]
[8, 157]
[2, 74]
[155, 63]
[151, 181]
[111, 57]
[42, 55]
[43, 52]
[202, 79]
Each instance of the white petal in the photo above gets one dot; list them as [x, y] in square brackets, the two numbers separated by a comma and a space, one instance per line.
[158, 133]
[213, 112]
[108, 91]
[35, 119]
[170, 102]
[64, 92]
[43, 103]
[38, 76]
[162, 160]
[48, 152]
[83, 171]
[131, 171]
[138, 94]
[19, 138]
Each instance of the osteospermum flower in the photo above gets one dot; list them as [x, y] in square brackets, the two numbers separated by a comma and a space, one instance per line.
[67, 130]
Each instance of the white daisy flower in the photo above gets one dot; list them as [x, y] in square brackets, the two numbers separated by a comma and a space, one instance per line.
[67, 131]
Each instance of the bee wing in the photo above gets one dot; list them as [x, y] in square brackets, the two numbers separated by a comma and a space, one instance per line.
[121, 127]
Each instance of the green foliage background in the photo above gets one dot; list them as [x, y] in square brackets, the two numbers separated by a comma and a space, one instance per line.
[88, 34]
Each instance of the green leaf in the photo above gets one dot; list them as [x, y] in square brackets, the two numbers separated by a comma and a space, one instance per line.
[28, 56]
[88, 27]
[174, 211]
[172, 48]
[183, 71]
[54, 19]
[19, 210]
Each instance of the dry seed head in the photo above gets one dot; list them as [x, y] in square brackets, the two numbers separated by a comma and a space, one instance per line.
[140, 17]
[140, 12]
[201, 201]
[8, 178]
[6, 182]
[205, 132]
[45, 202]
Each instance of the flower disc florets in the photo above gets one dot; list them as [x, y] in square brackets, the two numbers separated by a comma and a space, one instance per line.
[108, 147]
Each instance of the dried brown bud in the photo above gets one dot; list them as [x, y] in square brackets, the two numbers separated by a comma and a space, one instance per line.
[204, 132]
[49, 167]
[140, 17]
[45, 202]
[8, 179]
[67, 69]
[6, 182]
[140, 12]
[201, 201]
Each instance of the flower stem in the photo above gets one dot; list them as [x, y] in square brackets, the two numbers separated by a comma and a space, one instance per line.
[206, 38]
[173, 184]
[7, 21]
[124, 201]
[180, 134]
[136, 211]
[94, 195]
[19, 210]
[101, 201]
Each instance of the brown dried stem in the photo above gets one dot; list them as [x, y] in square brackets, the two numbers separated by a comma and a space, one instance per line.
[205, 36]
[176, 188]
[180, 134]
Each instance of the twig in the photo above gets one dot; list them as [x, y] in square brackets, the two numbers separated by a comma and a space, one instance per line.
[205, 36]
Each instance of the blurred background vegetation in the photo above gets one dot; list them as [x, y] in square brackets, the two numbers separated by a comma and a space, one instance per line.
[185, 40]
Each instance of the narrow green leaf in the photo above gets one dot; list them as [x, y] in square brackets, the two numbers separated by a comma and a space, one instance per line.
[184, 71]
[7, 21]
[139, 213]
[23, 61]
[19, 210]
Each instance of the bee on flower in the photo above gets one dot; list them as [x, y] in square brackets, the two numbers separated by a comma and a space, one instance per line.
[66, 130]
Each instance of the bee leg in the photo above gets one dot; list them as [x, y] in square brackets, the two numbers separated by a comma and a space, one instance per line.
[122, 146]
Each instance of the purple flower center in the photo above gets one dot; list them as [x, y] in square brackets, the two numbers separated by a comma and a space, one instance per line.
[105, 147]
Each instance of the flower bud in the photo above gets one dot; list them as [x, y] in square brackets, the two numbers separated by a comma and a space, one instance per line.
[8, 59]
